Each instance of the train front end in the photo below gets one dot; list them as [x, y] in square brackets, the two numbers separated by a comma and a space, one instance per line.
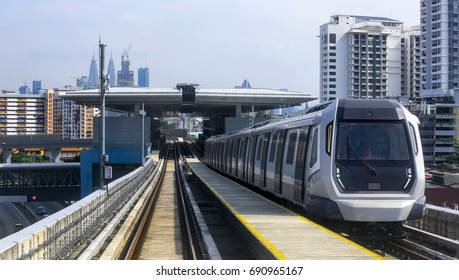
[377, 163]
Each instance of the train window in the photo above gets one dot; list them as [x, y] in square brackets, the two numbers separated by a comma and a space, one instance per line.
[291, 148]
[314, 148]
[413, 139]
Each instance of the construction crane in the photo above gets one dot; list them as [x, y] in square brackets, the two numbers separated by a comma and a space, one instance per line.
[77, 80]
[126, 53]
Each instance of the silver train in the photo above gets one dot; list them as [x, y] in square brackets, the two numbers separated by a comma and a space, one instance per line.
[352, 160]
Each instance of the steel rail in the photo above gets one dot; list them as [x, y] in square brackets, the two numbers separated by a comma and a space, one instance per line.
[134, 239]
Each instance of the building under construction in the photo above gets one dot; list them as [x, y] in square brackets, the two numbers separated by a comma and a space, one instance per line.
[125, 77]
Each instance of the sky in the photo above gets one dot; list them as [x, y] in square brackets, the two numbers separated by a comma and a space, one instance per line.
[215, 43]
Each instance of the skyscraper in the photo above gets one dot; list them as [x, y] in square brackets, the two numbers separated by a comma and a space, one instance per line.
[360, 57]
[93, 74]
[125, 77]
[440, 75]
[24, 89]
[411, 62]
[112, 72]
[144, 77]
[36, 86]
[440, 44]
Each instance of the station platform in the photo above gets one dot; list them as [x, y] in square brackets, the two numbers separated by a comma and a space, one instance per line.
[285, 234]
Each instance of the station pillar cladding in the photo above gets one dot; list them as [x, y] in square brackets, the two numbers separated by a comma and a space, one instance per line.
[123, 142]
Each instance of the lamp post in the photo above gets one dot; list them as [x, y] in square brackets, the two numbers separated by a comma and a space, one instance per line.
[102, 156]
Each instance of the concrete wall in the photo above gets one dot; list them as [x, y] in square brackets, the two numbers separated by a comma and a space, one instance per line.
[440, 221]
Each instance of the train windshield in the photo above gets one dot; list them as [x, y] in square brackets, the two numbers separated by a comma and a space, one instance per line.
[373, 156]
[377, 141]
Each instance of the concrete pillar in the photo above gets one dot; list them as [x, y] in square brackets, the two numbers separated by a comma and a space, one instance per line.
[238, 111]
[7, 156]
[55, 155]
[137, 109]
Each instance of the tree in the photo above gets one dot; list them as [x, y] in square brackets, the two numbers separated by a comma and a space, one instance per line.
[452, 160]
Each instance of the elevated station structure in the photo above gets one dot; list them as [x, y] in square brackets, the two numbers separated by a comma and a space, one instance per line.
[218, 105]
[129, 139]
[207, 102]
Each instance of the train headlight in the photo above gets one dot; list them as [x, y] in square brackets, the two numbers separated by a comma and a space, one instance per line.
[409, 175]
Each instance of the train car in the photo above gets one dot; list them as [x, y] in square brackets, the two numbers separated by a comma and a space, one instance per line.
[349, 159]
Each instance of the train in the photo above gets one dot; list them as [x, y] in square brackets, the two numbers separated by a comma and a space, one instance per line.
[353, 160]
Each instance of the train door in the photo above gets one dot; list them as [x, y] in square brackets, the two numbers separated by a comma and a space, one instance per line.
[228, 156]
[223, 158]
[312, 159]
[213, 156]
[241, 158]
[251, 160]
[278, 161]
[260, 160]
[298, 192]
[247, 156]
[234, 157]
[221, 149]
[270, 163]
[288, 162]
[257, 162]
[264, 156]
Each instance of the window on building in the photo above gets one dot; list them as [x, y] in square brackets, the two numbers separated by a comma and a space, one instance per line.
[332, 38]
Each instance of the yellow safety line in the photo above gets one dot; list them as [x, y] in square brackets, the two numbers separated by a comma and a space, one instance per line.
[277, 254]
[342, 238]
[268, 244]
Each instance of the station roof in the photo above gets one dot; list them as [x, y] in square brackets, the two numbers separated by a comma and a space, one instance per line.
[207, 101]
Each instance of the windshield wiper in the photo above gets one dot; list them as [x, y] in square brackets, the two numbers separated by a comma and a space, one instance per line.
[366, 163]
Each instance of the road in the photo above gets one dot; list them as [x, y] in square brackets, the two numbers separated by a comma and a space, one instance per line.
[10, 216]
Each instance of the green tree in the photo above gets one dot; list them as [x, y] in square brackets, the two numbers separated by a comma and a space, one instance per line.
[452, 160]
[22, 157]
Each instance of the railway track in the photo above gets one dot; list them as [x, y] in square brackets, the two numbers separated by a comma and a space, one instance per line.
[416, 245]
[162, 232]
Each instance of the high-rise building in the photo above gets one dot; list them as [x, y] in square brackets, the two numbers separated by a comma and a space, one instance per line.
[125, 77]
[22, 114]
[24, 89]
[440, 74]
[69, 119]
[360, 57]
[83, 82]
[36, 86]
[440, 44]
[144, 77]
[93, 74]
[411, 62]
[112, 72]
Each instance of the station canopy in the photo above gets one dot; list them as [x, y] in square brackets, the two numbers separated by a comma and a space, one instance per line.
[189, 98]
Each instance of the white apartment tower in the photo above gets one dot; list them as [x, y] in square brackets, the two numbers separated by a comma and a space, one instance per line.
[411, 62]
[360, 57]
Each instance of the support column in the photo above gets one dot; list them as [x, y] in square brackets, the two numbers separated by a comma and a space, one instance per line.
[137, 110]
[55, 155]
[7, 156]
[238, 111]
